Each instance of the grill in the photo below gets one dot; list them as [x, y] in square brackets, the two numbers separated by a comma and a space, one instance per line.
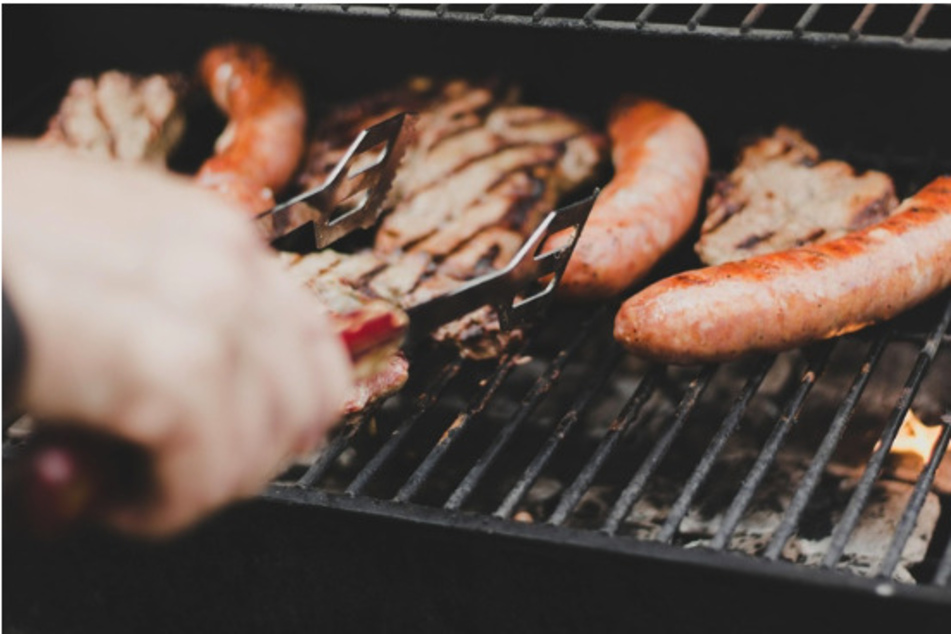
[567, 485]
[746, 22]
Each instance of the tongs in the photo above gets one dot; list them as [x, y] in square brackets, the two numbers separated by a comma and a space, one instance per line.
[353, 196]
[95, 471]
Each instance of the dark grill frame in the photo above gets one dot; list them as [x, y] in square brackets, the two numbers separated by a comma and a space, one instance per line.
[354, 496]
[306, 489]
[645, 22]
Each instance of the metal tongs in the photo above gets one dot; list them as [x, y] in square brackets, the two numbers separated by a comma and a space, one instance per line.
[353, 198]
[67, 475]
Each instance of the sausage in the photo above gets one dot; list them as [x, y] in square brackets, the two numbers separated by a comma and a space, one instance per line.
[263, 142]
[660, 161]
[786, 299]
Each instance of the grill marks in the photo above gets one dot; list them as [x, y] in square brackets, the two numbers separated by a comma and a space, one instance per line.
[781, 196]
[473, 185]
[121, 116]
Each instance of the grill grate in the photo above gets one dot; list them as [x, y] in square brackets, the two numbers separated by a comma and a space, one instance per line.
[562, 389]
[473, 445]
[871, 25]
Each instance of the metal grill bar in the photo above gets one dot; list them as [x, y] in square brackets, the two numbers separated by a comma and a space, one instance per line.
[910, 516]
[539, 389]
[591, 14]
[424, 401]
[540, 18]
[561, 430]
[850, 517]
[460, 424]
[699, 475]
[918, 337]
[752, 17]
[944, 568]
[829, 442]
[943, 573]
[327, 457]
[632, 492]
[917, 22]
[608, 442]
[856, 29]
[644, 15]
[771, 448]
[806, 19]
[701, 13]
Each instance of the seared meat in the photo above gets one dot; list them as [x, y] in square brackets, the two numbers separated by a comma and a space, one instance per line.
[473, 185]
[121, 116]
[784, 300]
[380, 368]
[782, 197]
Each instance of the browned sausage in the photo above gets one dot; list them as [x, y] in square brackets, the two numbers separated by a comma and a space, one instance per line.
[660, 161]
[262, 145]
[783, 300]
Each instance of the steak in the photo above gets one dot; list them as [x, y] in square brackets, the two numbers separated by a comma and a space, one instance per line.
[475, 182]
[380, 368]
[121, 116]
[781, 196]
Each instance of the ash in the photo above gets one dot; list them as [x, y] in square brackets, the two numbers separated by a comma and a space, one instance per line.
[879, 519]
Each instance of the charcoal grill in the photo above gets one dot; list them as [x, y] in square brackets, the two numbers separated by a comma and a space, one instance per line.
[504, 495]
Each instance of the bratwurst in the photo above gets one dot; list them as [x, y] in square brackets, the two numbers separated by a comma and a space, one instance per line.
[262, 145]
[784, 300]
[660, 162]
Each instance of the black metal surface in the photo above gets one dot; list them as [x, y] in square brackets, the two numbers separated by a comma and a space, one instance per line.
[453, 507]
[402, 475]
[739, 22]
[875, 462]
[602, 365]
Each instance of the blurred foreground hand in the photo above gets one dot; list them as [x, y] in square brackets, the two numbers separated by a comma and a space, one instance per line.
[151, 310]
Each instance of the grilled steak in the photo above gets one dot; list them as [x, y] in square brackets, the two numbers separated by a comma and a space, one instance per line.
[481, 172]
[782, 197]
[380, 369]
[121, 116]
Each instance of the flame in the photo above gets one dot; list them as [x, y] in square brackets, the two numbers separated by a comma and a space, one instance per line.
[915, 438]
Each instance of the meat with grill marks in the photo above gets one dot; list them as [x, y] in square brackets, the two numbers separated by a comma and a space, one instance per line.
[481, 172]
[781, 197]
[121, 116]
[380, 368]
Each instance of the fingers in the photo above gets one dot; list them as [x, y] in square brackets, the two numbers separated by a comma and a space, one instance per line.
[258, 391]
[155, 313]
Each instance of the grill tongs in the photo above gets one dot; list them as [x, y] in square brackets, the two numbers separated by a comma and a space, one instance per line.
[353, 195]
[65, 476]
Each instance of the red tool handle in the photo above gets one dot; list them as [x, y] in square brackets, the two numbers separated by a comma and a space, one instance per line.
[68, 475]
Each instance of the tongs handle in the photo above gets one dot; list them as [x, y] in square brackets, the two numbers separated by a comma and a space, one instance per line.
[353, 195]
[67, 475]
[508, 290]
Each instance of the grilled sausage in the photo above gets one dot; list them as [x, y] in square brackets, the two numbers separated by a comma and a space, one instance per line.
[262, 145]
[660, 160]
[786, 299]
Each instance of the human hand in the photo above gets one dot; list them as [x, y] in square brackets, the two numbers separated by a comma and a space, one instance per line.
[152, 311]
